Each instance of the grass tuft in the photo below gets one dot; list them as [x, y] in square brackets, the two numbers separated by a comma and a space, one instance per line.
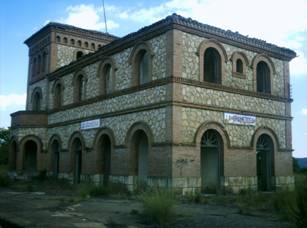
[158, 206]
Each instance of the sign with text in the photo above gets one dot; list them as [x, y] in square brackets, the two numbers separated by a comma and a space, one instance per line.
[90, 124]
[233, 118]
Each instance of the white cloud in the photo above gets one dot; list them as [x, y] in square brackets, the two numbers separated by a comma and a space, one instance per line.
[304, 111]
[280, 22]
[87, 17]
[12, 100]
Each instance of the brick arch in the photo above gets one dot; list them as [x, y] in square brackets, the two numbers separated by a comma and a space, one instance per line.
[134, 58]
[100, 73]
[138, 126]
[53, 138]
[39, 145]
[75, 135]
[211, 43]
[268, 131]
[212, 126]
[103, 132]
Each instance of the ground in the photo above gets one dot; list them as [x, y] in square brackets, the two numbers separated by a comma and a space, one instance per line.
[25, 207]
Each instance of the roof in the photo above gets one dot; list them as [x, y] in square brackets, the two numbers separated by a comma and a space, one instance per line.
[70, 28]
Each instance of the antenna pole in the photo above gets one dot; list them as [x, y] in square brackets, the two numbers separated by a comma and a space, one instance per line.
[104, 15]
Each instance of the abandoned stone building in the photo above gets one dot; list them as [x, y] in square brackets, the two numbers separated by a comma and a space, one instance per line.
[178, 103]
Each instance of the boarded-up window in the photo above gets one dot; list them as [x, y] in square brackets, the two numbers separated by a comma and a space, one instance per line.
[143, 67]
[263, 78]
[212, 66]
[239, 66]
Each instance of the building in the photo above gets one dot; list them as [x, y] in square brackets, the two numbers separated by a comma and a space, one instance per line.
[177, 103]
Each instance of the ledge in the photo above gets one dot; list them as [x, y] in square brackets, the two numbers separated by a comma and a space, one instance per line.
[29, 119]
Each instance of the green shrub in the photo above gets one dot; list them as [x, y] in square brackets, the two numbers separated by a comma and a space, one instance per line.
[158, 206]
[4, 180]
[92, 190]
[298, 207]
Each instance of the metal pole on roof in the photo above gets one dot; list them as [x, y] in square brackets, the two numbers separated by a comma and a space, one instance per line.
[104, 15]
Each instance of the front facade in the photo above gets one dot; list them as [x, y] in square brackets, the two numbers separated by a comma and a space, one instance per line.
[176, 104]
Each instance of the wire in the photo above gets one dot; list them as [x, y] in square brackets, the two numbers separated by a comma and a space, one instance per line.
[104, 15]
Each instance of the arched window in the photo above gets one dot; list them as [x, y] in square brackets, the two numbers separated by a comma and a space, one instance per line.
[58, 39]
[39, 64]
[86, 44]
[107, 77]
[79, 88]
[93, 46]
[212, 65]
[263, 78]
[58, 95]
[79, 43]
[72, 42]
[44, 66]
[65, 40]
[143, 67]
[99, 46]
[79, 54]
[239, 66]
[36, 101]
[33, 70]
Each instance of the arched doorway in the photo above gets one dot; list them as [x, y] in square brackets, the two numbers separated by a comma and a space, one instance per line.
[13, 155]
[211, 161]
[140, 157]
[77, 160]
[30, 157]
[265, 164]
[105, 147]
[55, 150]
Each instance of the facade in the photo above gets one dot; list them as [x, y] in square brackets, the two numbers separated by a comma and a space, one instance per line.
[177, 104]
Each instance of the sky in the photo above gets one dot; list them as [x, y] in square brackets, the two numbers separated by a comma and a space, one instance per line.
[282, 22]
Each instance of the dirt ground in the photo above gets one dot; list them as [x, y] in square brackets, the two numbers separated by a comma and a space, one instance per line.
[41, 209]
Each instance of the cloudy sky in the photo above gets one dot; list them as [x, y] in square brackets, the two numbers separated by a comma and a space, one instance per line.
[282, 22]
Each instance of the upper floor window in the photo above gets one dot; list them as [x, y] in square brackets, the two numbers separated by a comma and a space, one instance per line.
[65, 40]
[58, 95]
[141, 60]
[79, 87]
[44, 66]
[143, 67]
[239, 66]
[93, 46]
[79, 54]
[212, 65]
[39, 64]
[72, 42]
[33, 70]
[86, 44]
[58, 39]
[106, 72]
[263, 78]
[36, 99]
[79, 43]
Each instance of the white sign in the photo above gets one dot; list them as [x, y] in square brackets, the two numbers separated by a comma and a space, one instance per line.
[239, 119]
[90, 124]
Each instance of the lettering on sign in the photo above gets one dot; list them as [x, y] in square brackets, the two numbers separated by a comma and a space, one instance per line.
[90, 124]
[233, 118]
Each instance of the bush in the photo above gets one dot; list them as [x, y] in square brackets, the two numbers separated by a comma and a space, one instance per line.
[158, 206]
[4, 180]
[298, 208]
[92, 190]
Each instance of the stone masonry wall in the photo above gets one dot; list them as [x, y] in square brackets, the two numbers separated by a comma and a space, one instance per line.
[66, 54]
[239, 135]
[190, 65]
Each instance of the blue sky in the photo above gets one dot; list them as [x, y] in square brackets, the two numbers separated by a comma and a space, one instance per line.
[280, 22]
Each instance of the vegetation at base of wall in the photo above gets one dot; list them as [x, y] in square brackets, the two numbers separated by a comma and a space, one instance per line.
[158, 206]
[4, 179]
[4, 146]
[91, 190]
